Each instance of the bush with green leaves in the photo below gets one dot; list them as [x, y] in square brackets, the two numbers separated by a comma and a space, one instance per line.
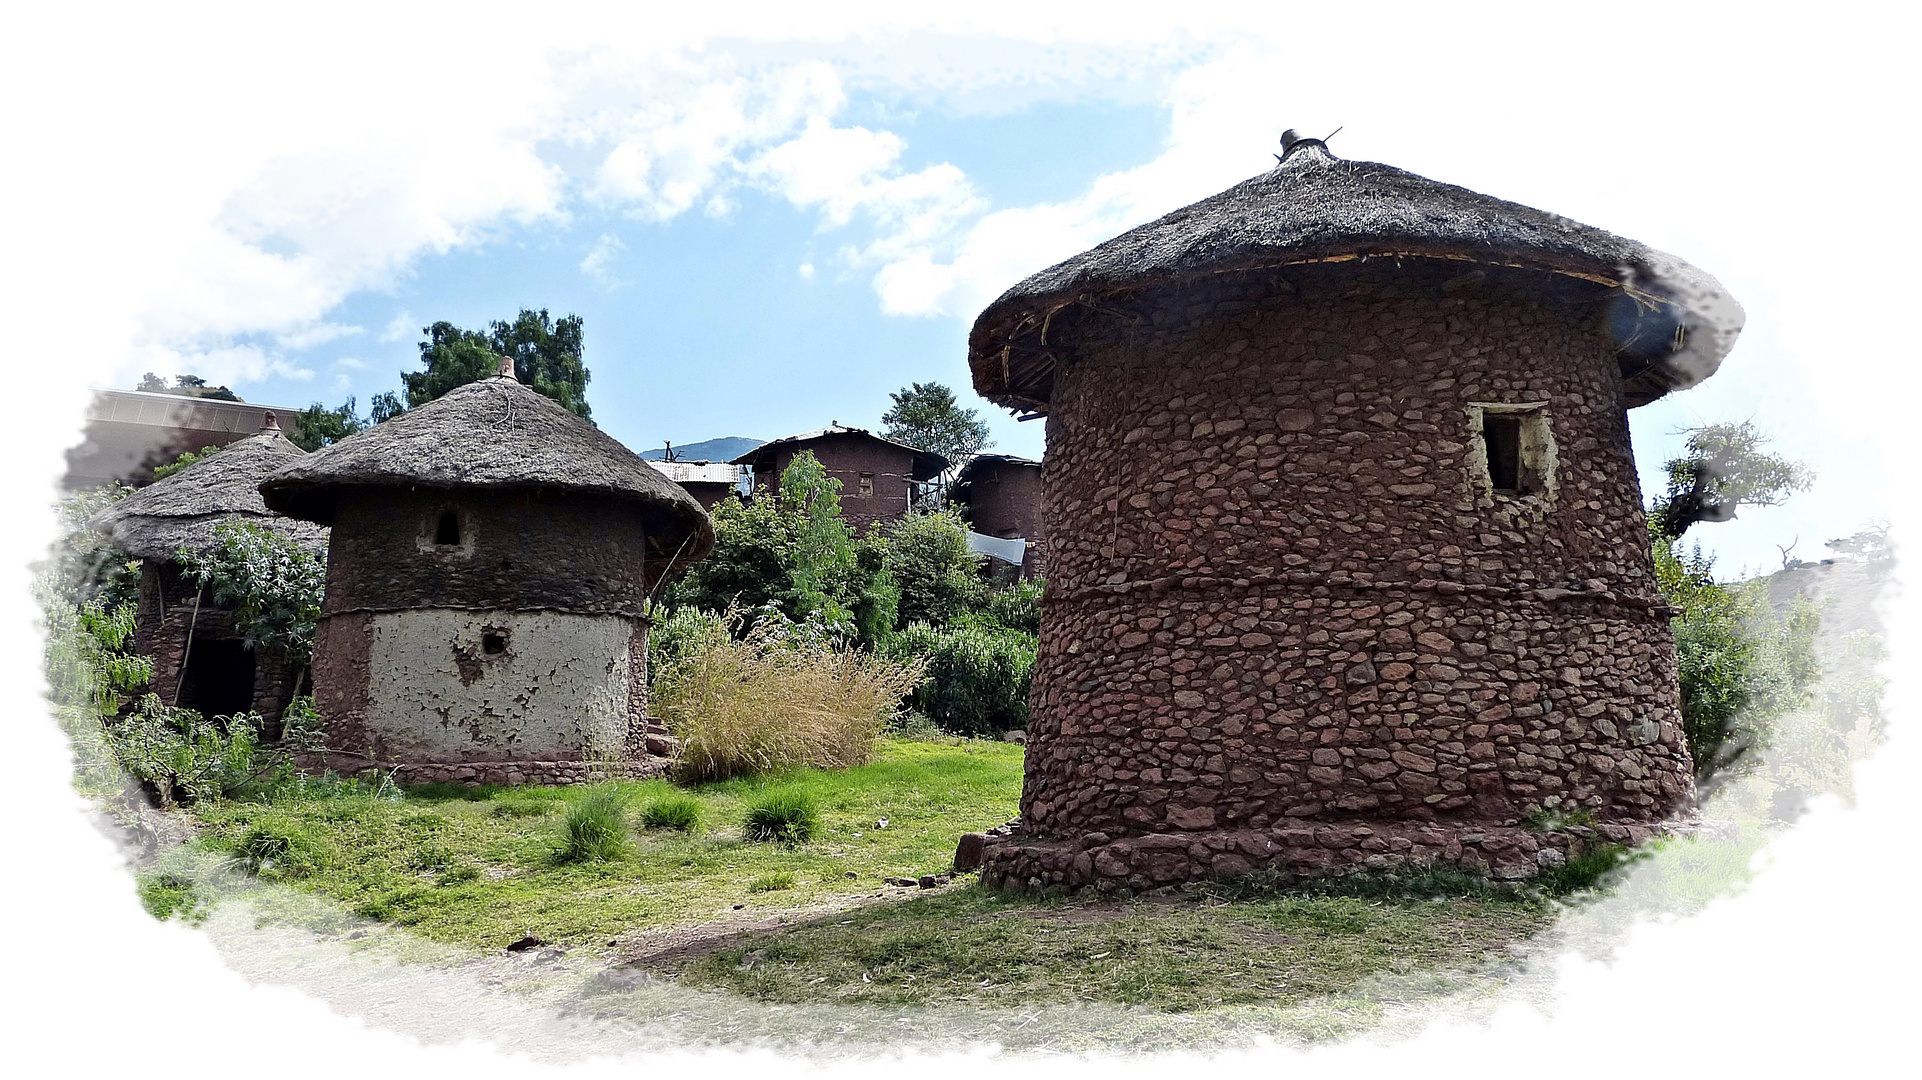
[1739, 666]
[789, 817]
[179, 756]
[792, 552]
[272, 586]
[977, 679]
[596, 828]
[928, 559]
[1017, 607]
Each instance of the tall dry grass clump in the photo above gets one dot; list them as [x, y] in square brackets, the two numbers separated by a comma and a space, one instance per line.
[775, 699]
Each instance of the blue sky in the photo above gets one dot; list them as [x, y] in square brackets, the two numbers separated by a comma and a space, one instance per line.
[707, 324]
[767, 230]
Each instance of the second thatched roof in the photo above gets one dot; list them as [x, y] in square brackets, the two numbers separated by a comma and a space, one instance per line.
[495, 433]
[1314, 207]
[183, 510]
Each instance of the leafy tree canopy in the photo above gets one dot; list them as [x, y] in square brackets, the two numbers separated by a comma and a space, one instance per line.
[927, 416]
[316, 425]
[928, 558]
[795, 555]
[546, 352]
[1725, 466]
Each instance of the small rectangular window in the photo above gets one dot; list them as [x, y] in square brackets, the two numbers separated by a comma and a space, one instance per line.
[867, 483]
[1503, 435]
[447, 530]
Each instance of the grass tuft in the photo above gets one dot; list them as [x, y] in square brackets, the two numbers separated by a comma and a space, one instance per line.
[771, 882]
[596, 828]
[677, 811]
[787, 816]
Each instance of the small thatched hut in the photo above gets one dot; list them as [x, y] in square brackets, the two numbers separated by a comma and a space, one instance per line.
[1348, 563]
[487, 583]
[199, 661]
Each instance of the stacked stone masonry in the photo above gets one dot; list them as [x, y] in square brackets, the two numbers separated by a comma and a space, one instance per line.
[1284, 595]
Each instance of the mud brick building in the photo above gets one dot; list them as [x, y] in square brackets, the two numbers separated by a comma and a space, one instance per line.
[708, 481]
[1348, 564]
[487, 576]
[199, 660]
[878, 476]
[1000, 496]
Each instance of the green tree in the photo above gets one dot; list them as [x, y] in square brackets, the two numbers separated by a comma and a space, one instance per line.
[272, 586]
[927, 416]
[793, 555]
[317, 425]
[546, 352]
[928, 559]
[1725, 466]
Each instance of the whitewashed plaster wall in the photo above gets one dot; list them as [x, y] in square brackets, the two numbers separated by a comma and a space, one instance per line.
[556, 686]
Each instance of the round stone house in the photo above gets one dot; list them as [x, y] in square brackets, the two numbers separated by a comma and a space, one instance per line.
[200, 661]
[491, 559]
[1348, 564]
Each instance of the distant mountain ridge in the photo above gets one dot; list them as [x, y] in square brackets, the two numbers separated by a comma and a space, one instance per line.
[723, 449]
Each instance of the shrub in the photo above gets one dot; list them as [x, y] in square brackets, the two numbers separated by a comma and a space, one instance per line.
[180, 756]
[929, 561]
[771, 882]
[770, 701]
[275, 852]
[1017, 607]
[596, 828]
[677, 811]
[977, 676]
[787, 816]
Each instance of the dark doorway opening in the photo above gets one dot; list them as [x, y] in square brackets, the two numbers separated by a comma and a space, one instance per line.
[1503, 434]
[218, 679]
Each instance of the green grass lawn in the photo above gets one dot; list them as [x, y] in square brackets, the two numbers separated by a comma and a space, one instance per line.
[1180, 955]
[814, 922]
[478, 867]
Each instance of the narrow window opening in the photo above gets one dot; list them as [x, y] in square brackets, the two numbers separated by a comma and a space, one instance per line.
[867, 483]
[447, 532]
[493, 642]
[1503, 435]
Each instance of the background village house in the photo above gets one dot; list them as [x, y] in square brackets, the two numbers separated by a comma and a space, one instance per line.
[129, 432]
[1348, 562]
[199, 660]
[487, 579]
[879, 477]
[708, 481]
[999, 496]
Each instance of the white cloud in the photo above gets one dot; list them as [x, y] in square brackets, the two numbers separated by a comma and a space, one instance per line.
[352, 363]
[399, 328]
[317, 334]
[806, 270]
[599, 263]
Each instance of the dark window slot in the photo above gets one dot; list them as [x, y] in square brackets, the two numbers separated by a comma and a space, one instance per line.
[493, 642]
[1503, 435]
[447, 532]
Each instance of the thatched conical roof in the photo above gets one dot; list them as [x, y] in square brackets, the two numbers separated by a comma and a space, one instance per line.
[183, 509]
[495, 433]
[1315, 207]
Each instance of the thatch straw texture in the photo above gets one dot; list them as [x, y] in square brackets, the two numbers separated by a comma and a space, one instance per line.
[182, 510]
[495, 433]
[1315, 207]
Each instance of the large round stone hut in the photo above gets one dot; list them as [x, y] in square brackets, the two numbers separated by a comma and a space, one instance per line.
[487, 582]
[200, 660]
[1348, 564]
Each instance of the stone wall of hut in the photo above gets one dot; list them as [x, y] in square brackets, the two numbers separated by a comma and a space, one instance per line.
[1283, 597]
[167, 629]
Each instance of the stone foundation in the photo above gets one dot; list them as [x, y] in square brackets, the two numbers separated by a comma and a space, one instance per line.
[504, 773]
[1162, 860]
